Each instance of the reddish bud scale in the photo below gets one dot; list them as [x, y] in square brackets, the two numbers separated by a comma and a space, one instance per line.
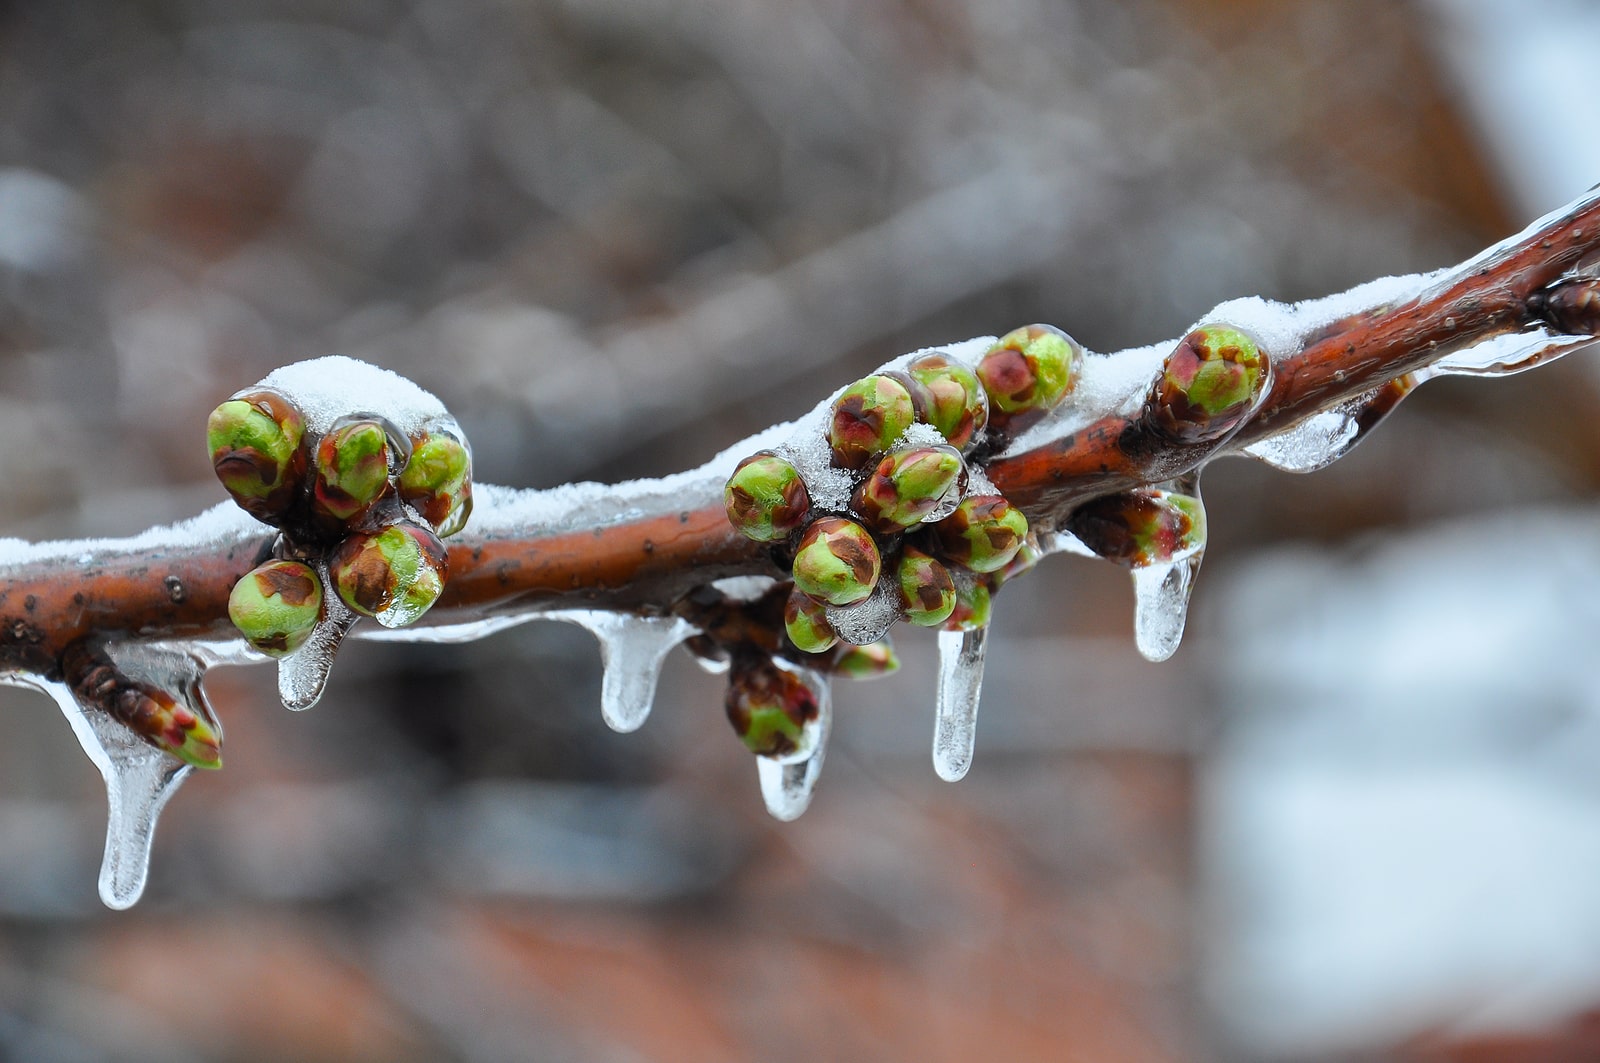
[1028, 372]
[1207, 386]
[927, 592]
[1141, 527]
[766, 498]
[352, 470]
[254, 440]
[956, 403]
[906, 486]
[770, 708]
[867, 418]
[393, 575]
[437, 480]
[983, 534]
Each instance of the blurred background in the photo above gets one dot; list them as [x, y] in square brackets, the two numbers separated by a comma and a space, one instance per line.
[1354, 819]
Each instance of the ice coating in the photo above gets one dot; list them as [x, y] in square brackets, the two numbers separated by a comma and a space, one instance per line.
[632, 649]
[866, 621]
[787, 787]
[955, 726]
[303, 674]
[1314, 443]
[1161, 605]
[1506, 355]
[326, 389]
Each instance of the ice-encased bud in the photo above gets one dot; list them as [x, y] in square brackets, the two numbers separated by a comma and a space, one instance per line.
[276, 605]
[766, 498]
[837, 561]
[1207, 385]
[1030, 368]
[772, 710]
[907, 486]
[352, 469]
[983, 534]
[806, 623]
[927, 593]
[867, 418]
[957, 404]
[392, 575]
[1141, 527]
[872, 661]
[155, 715]
[437, 480]
[974, 606]
[1027, 556]
[254, 439]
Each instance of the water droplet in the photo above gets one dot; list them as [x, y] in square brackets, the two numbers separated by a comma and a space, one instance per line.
[303, 675]
[632, 649]
[1161, 605]
[955, 727]
[787, 787]
[1324, 438]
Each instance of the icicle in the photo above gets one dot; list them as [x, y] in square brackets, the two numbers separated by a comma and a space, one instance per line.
[786, 786]
[867, 621]
[1323, 439]
[303, 675]
[955, 726]
[1506, 355]
[632, 649]
[1161, 605]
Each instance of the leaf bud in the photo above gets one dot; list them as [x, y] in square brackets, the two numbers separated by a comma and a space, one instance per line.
[276, 605]
[766, 498]
[837, 561]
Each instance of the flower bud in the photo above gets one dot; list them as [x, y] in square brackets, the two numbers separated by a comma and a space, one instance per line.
[172, 724]
[1027, 556]
[255, 450]
[872, 661]
[766, 498]
[927, 593]
[983, 534]
[437, 481]
[957, 404]
[276, 605]
[1141, 527]
[392, 575]
[837, 561]
[1030, 369]
[867, 418]
[352, 469]
[974, 605]
[772, 710]
[1208, 385]
[806, 623]
[907, 486]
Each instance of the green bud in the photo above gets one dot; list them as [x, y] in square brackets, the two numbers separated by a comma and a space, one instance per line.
[957, 404]
[352, 469]
[437, 481]
[392, 575]
[806, 622]
[927, 593]
[170, 725]
[772, 710]
[837, 561]
[867, 418]
[983, 534]
[766, 498]
[974, 605]
[276, 605]
[1028, 556]
[906, 487]
[1030, 369]
[1141, 527]
[1208, 385]
[871, 661]
[254, 440]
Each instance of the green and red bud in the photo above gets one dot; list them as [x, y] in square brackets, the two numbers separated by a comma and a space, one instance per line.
[254, 441]
[772, 710]
[276, 605]
[837, 561]
[956, 403]
[806, 622]
[974, 605]
[983, 534]
[766, 498]
[437, 481]
[1028, 556]
[868, 417]
[1209, 383]
[1141, 527]
[1029, 370]
[872, 661]
[352, 470]
[392, 575]
[169, 724]
[906, 486]
[927, 592]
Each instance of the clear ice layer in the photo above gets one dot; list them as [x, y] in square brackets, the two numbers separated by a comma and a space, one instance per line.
[1161, 605]
[955, 727]
[303, 674]
[787, 786]
[868, 620]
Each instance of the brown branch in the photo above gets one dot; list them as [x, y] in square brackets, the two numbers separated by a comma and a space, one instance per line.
[647, 563]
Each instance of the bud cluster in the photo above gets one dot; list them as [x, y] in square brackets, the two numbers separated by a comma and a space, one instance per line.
[916, 516]
[364, 499]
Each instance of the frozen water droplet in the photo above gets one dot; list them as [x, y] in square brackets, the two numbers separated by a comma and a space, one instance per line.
[303, 675]
[1312, 444]
[787, 786]
[632, 649]
[1161, 605]
[955, 727]
[869, 620]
